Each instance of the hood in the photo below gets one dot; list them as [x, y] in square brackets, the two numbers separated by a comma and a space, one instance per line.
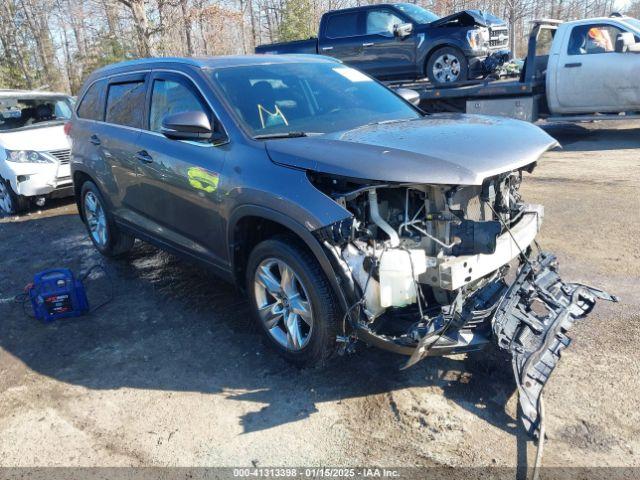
[447, 149]
[469, 18]
[40, 139]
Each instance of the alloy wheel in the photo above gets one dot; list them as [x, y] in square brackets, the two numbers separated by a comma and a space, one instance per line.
[6, 204]
[446, 68]
[283, 304]
[96, 219]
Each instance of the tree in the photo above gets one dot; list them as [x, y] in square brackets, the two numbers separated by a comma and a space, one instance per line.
[298, 20]
[633, 9]
[57, 43]
[141, 25]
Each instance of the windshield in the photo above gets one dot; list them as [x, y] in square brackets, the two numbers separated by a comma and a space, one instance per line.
[307, 97]
[33, 112]
[418, 14]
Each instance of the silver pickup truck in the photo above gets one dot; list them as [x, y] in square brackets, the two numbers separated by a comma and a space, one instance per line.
[579, 70]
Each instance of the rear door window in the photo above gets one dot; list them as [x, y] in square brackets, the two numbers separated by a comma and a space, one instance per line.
[125, 104]
[92, 104]
[343, 25]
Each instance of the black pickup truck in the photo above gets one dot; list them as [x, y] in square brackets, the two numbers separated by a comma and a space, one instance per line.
[403, 41]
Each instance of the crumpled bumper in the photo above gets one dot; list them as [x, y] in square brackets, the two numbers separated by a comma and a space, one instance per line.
[494, 61]
[531, 322]
[32, 180]
[528, 318]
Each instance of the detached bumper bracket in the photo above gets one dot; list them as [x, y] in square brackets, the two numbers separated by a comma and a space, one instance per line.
[532, 321]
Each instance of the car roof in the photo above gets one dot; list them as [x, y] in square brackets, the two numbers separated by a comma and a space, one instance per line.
[597, 20]
[8, 93]
[368, 7]
[212, 62]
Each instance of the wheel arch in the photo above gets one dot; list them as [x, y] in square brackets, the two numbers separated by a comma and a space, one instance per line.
[80, 177]
[251, 224]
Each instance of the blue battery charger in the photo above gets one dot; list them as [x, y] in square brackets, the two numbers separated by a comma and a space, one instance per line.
[56, 293]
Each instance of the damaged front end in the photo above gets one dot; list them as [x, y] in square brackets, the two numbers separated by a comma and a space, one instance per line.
[531, 322]
[425, 269]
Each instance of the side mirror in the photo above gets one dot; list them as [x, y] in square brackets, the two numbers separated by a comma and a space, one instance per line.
[193, 125]
[403, 30]
[409, 95]
[626, 42]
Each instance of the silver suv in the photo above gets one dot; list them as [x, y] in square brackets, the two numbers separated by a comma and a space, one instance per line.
[341, 210]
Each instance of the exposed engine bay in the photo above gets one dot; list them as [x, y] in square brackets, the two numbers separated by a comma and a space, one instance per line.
[426, 269]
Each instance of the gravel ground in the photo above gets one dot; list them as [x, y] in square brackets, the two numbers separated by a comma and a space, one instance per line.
[170, 374]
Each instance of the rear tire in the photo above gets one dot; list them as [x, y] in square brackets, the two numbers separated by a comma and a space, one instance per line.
[10, 202]
[278, 294]
[105, 235]
[447, 65]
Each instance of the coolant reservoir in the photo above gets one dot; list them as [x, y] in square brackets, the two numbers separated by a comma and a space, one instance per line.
[397, 287]
[355, 260]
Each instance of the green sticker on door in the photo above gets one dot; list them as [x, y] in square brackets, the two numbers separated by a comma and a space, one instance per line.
[200, 179]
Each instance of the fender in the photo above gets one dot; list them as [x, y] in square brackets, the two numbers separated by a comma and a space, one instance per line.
[303, 233]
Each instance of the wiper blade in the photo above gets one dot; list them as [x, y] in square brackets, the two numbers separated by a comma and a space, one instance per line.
[282, 135]
[384, 122]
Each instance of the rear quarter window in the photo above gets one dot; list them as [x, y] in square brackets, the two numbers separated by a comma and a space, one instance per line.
[544, 41]
[125, 104]
[92, 104]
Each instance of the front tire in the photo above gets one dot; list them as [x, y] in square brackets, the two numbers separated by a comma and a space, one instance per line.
[10, 202]
[447, 65]
[105, 235]
[292, 302]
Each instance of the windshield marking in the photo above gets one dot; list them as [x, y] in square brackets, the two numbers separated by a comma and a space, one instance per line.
[282, 101]
[352, 74]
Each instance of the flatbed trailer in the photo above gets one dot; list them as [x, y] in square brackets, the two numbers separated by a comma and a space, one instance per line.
[522, 98]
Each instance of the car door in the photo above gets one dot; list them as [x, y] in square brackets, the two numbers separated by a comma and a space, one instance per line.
[178, 178]
[592, 77]
[389, 56]
[117, 140]
[342, 36]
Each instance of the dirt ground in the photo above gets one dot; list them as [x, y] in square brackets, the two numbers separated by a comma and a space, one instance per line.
[169, 374]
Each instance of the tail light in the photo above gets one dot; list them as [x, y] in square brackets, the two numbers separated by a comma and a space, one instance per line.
[67, 128]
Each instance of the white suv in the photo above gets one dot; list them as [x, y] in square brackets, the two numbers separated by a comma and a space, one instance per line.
[34, 148]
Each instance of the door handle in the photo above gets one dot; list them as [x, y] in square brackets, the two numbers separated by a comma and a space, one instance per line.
[144, 157]
[572, 65]
[325, 49]
[368, 44]
[94, 139]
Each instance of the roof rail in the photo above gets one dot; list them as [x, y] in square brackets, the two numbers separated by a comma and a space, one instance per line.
[148, 61]
[548, 21]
